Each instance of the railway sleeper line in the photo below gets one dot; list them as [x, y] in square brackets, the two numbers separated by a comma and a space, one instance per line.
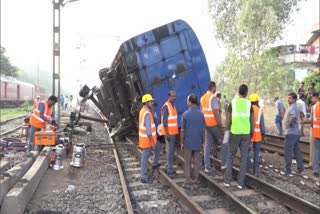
[271, 198]
[289, 200]
[230, 199]
[11, 131]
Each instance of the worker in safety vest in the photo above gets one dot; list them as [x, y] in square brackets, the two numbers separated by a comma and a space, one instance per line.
[148, 138]
[315, 124]
[210, 109]
[169, 129]
[36, 102]
[239, 130]
[42, 115]
[258, 135]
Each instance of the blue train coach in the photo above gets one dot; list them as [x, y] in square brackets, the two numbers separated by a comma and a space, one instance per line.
[166, 58]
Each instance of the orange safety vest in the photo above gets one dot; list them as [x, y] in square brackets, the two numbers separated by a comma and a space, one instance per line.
[36, 120]
[172, 120]
[36, 103]
[207, 109]
[144, 141]
[257, 135]
[316, 120]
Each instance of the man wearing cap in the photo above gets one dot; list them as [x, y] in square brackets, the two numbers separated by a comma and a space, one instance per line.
[258, 134]
[36, 102]
[280, 114]
[191, 139]
[148, 138]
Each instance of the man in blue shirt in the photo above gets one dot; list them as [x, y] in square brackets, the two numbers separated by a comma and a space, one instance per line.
[191, 138]
[280, 114]
[292, 140]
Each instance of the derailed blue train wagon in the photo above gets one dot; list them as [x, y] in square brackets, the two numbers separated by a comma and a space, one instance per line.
[166, 58]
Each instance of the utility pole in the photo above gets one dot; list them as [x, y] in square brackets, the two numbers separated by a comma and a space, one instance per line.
[56, 51]
[57, 4]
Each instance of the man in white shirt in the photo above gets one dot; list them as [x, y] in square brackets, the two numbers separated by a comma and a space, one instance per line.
[303, 111]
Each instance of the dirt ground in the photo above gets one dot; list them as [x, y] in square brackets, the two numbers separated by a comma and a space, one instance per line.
[94, 188]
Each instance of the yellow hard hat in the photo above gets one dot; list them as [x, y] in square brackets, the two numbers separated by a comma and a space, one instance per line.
[147, 98]
[254, 98]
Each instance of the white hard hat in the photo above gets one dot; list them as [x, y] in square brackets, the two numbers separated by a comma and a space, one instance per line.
[38, 96]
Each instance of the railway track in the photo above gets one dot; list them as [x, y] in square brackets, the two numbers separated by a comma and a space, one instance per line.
[2, 122]
[288, 200]
[11, 125]
[15, 129]
[200, 199]
[211, 196]
[275, 143]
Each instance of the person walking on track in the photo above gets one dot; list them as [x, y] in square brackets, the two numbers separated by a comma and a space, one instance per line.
[169, 129]
[148, 138]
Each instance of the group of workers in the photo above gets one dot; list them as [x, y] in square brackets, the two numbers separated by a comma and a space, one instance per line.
[201, 130]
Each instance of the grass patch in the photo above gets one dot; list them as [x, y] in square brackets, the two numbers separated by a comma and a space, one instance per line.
[270, 115]
[11, 113]
[6, 114]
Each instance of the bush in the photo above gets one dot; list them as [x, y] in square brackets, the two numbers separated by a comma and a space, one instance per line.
[26, 107]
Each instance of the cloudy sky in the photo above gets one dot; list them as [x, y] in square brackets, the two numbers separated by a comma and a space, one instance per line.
[92, 31]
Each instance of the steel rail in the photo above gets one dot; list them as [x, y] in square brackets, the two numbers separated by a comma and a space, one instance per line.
[179, 193]
[2, 122]
[241, 207]
[120, 171]
[189, 202]
[288, 200]
[275, 143]
[10, 131]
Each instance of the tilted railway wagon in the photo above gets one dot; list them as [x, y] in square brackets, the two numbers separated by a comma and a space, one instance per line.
[166, 58]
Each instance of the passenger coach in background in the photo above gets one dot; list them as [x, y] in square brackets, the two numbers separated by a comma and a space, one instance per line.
[167, 58]
[15, 92]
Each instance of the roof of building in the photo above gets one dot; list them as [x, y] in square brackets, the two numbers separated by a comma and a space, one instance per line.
[14, 80]
[314, 37]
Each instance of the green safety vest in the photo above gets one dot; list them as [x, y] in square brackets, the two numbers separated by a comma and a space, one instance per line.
[240, 116]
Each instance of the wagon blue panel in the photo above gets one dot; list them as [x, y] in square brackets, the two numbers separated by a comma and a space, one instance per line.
[169, 58]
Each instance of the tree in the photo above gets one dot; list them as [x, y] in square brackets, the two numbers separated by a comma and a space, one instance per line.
[5, 66]
[248, 28]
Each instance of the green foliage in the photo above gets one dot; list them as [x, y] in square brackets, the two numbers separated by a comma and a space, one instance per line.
[266, 75]
[248, 28]
[6, 68]
[255, 22]
[26, 107]
[45, 79]
[11, 113]
[311, 78]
